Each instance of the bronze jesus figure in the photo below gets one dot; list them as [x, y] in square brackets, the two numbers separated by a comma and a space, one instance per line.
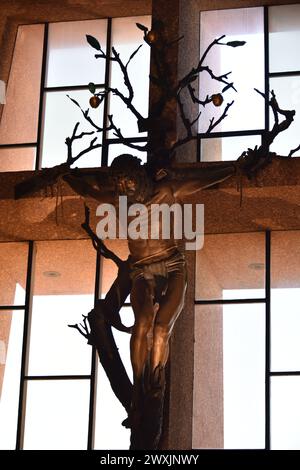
[157, 268]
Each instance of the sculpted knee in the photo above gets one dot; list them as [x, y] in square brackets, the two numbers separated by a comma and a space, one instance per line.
[142, 327]
[162, 331]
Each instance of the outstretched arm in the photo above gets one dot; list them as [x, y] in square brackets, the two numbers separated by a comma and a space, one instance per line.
[194, 180]
[85, 182]
[90, 185]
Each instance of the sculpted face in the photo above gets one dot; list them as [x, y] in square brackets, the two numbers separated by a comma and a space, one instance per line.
[131, 179]
[128, 186]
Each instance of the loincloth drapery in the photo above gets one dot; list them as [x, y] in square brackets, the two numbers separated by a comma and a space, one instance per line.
[175, 263]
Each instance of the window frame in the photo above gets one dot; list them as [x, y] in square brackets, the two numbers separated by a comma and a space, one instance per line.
[106, 140]
[268, 76]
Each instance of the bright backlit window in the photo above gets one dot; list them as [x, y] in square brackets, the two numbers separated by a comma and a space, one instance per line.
[247, 324]
[268, 61]
[53, 393]
[50, 384]
[60, 62]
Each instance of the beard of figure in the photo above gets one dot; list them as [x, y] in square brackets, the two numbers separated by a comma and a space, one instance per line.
[143, 191]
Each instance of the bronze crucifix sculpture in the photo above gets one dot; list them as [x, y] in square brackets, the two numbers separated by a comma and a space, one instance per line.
[155, 272]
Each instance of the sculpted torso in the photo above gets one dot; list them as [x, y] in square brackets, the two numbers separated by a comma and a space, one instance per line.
[150, 249]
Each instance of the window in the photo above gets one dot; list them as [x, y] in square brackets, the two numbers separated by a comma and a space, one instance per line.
[268, 61]
[50, 380]
[13, 262]
[19, 122]
[247, 365]
[59, 62]
[61, 398]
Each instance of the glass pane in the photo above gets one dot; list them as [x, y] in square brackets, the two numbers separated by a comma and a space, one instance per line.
[60, 117]
[11, 335]
[57, 414]
[227, 148]
[71, 60]
[23, 90]
[246, 64]
[287, 90]
[284, 28]
[17, 159]
[285, 329]
[126, 37]
[109, 433]
[285, 413]
[13, 263]
[231, 266]
[285, 320]
[117, 149]
[244, 376]
[208, 407]
[229, 376]
[63, 292]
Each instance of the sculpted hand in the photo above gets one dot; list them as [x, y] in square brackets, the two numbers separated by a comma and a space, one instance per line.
[253, 160]
[41, 180]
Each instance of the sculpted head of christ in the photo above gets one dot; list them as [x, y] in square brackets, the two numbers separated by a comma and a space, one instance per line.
[131, 179]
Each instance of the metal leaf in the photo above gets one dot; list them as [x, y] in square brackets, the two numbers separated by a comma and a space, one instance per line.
[142, 27]
[92, 87]
[93, 42]
[134, 53]
[235, 43]
[230, 85]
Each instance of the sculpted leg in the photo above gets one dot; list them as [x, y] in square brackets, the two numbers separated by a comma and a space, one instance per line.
[143, 309]
[149, 354]
[170, 307]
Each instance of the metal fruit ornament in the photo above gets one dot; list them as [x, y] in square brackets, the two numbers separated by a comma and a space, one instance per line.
[152, 36]
[217, 99]
[94, 101]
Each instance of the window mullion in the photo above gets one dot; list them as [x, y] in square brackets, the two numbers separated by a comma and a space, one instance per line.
[25, 346]
[106, 99]
[41, 104]
[268, 342]
[267, 84]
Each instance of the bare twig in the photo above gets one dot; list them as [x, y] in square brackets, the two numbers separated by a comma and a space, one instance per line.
[184, 140]
[184, 118]
[133, 54]
[214, 123]
[278, 126]
[259, 157]
[69, 142]
[210, 46]
[127, 100]
[97, 242]
[86, 116]
[186, 82]
[196, 119]
[116, 58]
[219, 78]
[88, 149]
[294, 151]
[200, 68]
[194, 98]
[82, 328]
[118, 133]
